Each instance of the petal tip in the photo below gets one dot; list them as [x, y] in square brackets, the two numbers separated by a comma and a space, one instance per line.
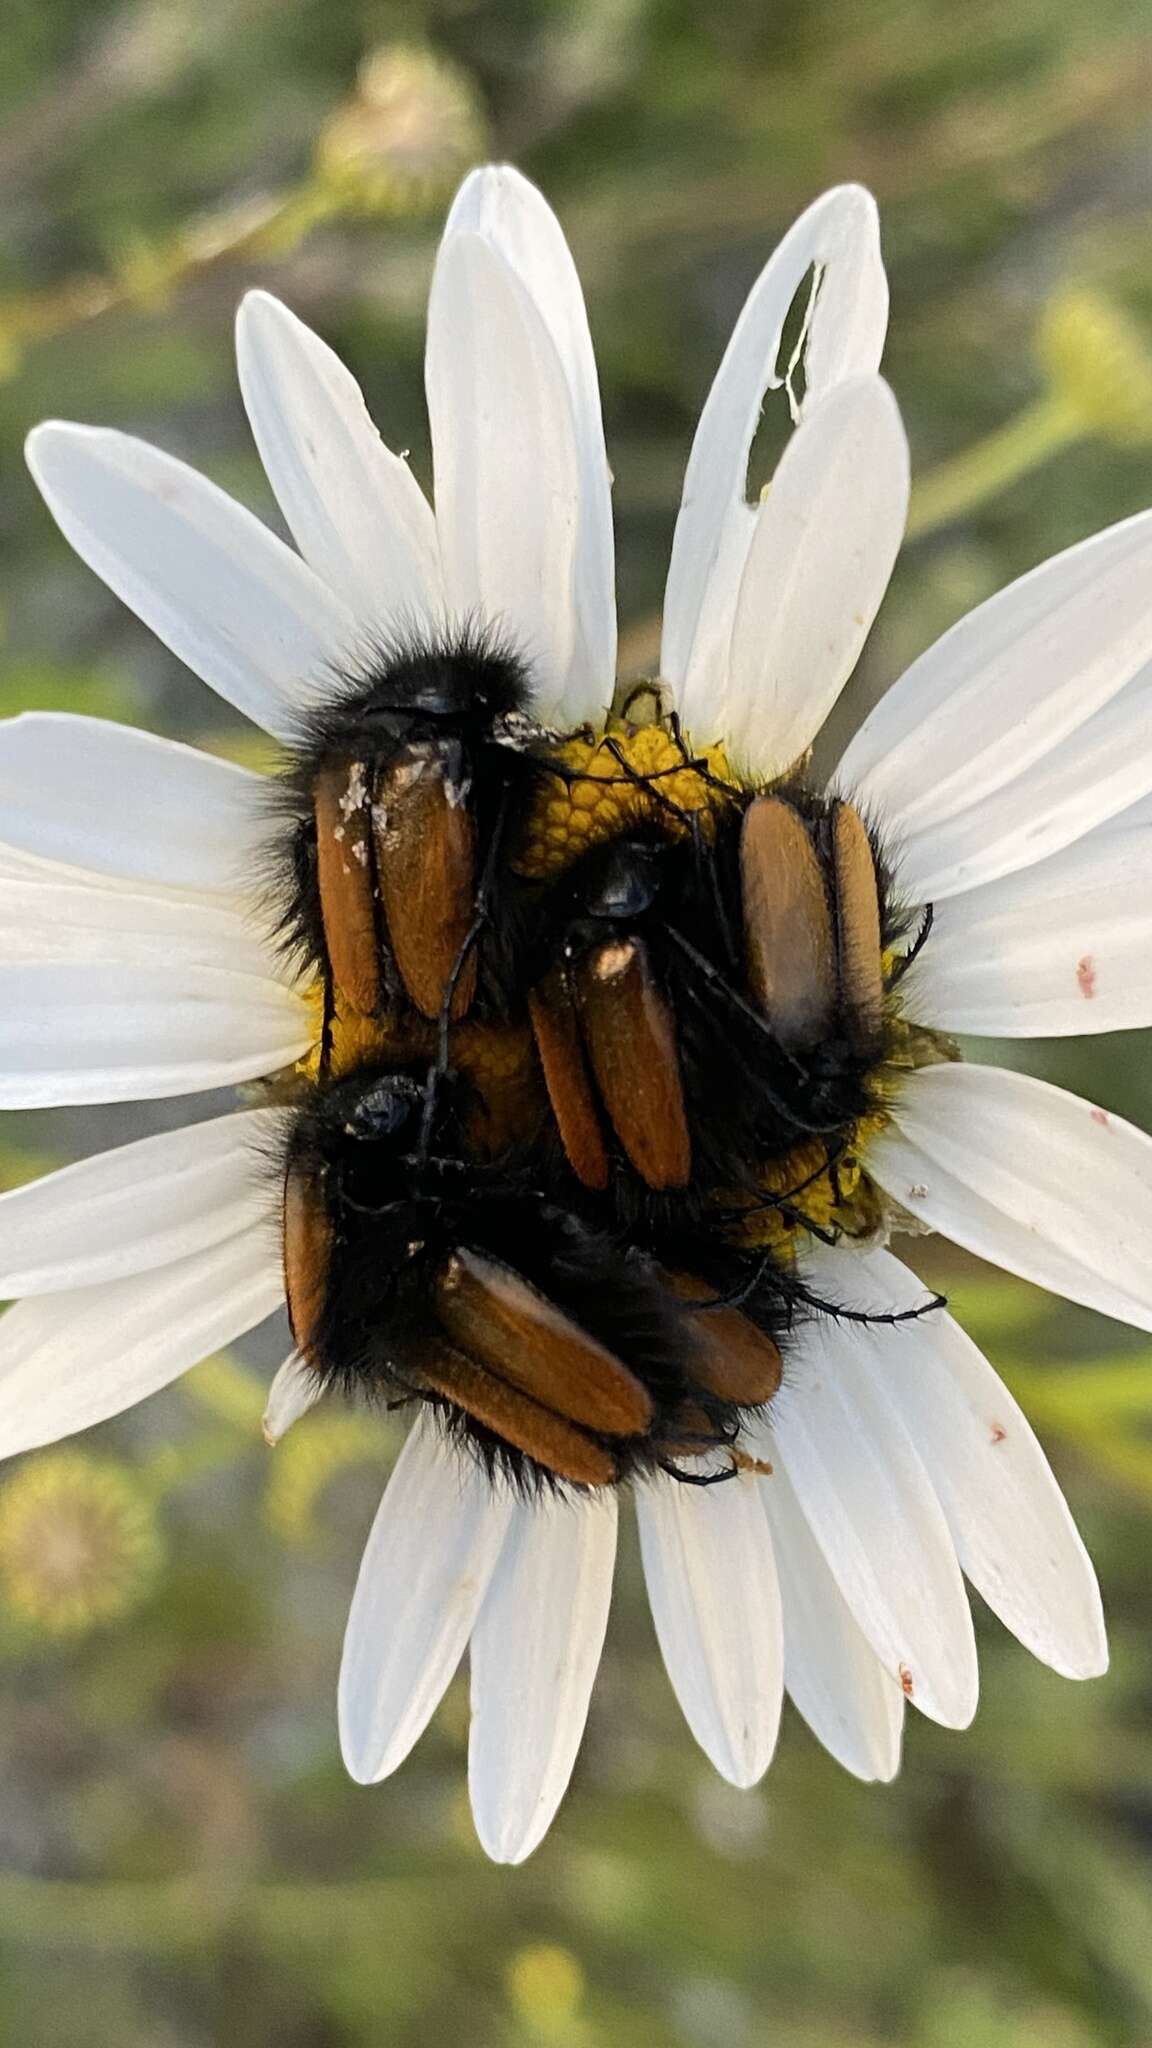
[857, 195]
[360, 1766]
[257, 305]
[504, 1844]
[44, 437]
[356, 1769]
[966, 1708]
[745, 1763]
[493, 177]
[1093, 1663]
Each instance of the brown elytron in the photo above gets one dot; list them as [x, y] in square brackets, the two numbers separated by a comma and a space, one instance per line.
[604, 1030]
[505, 1324]
[559, 1446]
[411, 845]
[552, 1007]
[308, 1235]
[787, 923]
[738, 1361]
[344, 878]
[631, 1038]
[425, 846]
[858, 922]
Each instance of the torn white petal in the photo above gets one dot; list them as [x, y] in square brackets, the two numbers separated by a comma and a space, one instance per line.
[839, 234]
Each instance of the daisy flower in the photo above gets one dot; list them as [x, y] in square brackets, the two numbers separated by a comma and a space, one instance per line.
[1007, 770]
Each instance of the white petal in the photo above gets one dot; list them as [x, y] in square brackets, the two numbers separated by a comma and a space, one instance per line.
[425, 1570]
[97, 1032]
[716, 1605]
[294, 1390]
[1099, 770]
[1025, 1175]
[70, 1360]
[1055, 950]
[126, 803]
[356, 511]
[507, 470]
[500, 205]
[871, 1507]
[1134, 818]
[44, 920]
[18, 866]
[840, 234]
[141, 1206]
[215, 585]
[834, 1678]
[535, 1652]
[1013, 1532]
[1009, 682]
[825, 541]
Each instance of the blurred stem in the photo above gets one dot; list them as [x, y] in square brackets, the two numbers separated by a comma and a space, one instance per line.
[1004, 456]
[262, 227]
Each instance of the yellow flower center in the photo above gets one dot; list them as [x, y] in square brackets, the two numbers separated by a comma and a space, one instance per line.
[608, 785]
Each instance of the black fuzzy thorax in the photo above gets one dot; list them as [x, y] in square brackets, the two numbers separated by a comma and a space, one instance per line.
[469, 695]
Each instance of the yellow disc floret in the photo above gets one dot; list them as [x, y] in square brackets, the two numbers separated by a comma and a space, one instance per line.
[808, 1189]
[602, 786]
[355, 1041]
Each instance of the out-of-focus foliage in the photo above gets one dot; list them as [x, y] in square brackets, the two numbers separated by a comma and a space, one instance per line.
[182, 1861]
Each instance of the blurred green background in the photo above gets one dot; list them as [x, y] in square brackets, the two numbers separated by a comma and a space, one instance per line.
[182, 1861]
